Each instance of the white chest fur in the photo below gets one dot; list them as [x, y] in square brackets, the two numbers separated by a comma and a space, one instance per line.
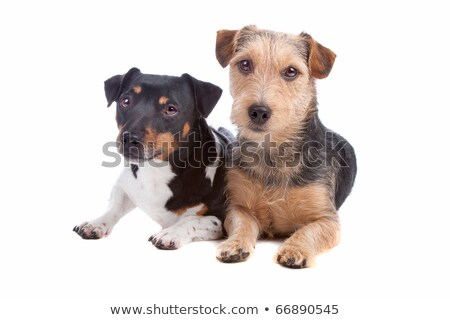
[150, 190]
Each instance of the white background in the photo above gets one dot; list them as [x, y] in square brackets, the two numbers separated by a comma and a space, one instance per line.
[388, 94]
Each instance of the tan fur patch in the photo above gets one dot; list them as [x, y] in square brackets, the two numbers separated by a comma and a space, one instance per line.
[165, 142]
[186, 129]
[183, 210]
[280, 211]
[202, 211]
[150, 136]
[137, 89]
[160, 142]
[163, 100]
[307, 213]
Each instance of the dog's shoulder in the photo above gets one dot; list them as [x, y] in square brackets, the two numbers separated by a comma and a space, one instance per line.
[202, 177]
[329, 155]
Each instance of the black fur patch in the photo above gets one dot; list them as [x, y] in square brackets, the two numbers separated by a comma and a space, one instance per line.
[144, 117]
[134, 169]
[190, 186]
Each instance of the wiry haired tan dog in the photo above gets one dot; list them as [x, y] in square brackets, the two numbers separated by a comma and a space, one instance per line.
[290, 174]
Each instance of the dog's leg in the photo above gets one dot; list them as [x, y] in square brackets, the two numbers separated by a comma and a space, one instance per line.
[192, 228]
[119, 205]
[243, 231]
[306, 243]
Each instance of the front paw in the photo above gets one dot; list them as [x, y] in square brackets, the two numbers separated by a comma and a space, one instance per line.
[290, 256]
[234, 250]
[165, 240]
[91, 230]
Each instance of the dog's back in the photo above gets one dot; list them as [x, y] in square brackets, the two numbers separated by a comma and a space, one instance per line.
[347, 169]
[333, 159]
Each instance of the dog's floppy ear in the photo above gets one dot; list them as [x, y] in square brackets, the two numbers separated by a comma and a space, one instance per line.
[115, 84]
[225, 46]
[112, 88]
[320, 58]
[206, 94]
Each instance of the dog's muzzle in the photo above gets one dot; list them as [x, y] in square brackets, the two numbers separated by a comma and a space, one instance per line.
[131, 146]
[259, 114]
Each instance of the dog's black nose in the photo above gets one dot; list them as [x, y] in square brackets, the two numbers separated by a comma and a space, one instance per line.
[130, 139]
[259, 114]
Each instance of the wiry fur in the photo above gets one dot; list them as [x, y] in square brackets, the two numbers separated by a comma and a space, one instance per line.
[274, 191]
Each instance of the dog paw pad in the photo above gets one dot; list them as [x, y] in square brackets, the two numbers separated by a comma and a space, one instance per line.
[291, 257]
[233, 251]
[91, 231]
[166, 241]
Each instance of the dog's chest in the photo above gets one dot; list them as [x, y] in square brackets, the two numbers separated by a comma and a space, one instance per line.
[279, 210]
[149, 190]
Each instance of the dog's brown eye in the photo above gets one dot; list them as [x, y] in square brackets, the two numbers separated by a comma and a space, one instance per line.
[125, 102]
[171, 110]
[245, 66]
[290, 73]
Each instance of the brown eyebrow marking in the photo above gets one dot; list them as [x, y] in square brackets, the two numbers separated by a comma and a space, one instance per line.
[137, 89]
[186, 129]
[163, 100]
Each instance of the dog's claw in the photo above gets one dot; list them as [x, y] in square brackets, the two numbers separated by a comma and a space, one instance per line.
[172, 245]
[290, 257]
[234, 251]
[89, 231]
[234, 257]
[290, 261]
[239, 256]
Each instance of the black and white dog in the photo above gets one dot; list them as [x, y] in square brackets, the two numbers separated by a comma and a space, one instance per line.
[175, 162]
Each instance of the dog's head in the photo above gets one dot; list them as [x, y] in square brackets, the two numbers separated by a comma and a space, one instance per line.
[271, 77]
[154, 112]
